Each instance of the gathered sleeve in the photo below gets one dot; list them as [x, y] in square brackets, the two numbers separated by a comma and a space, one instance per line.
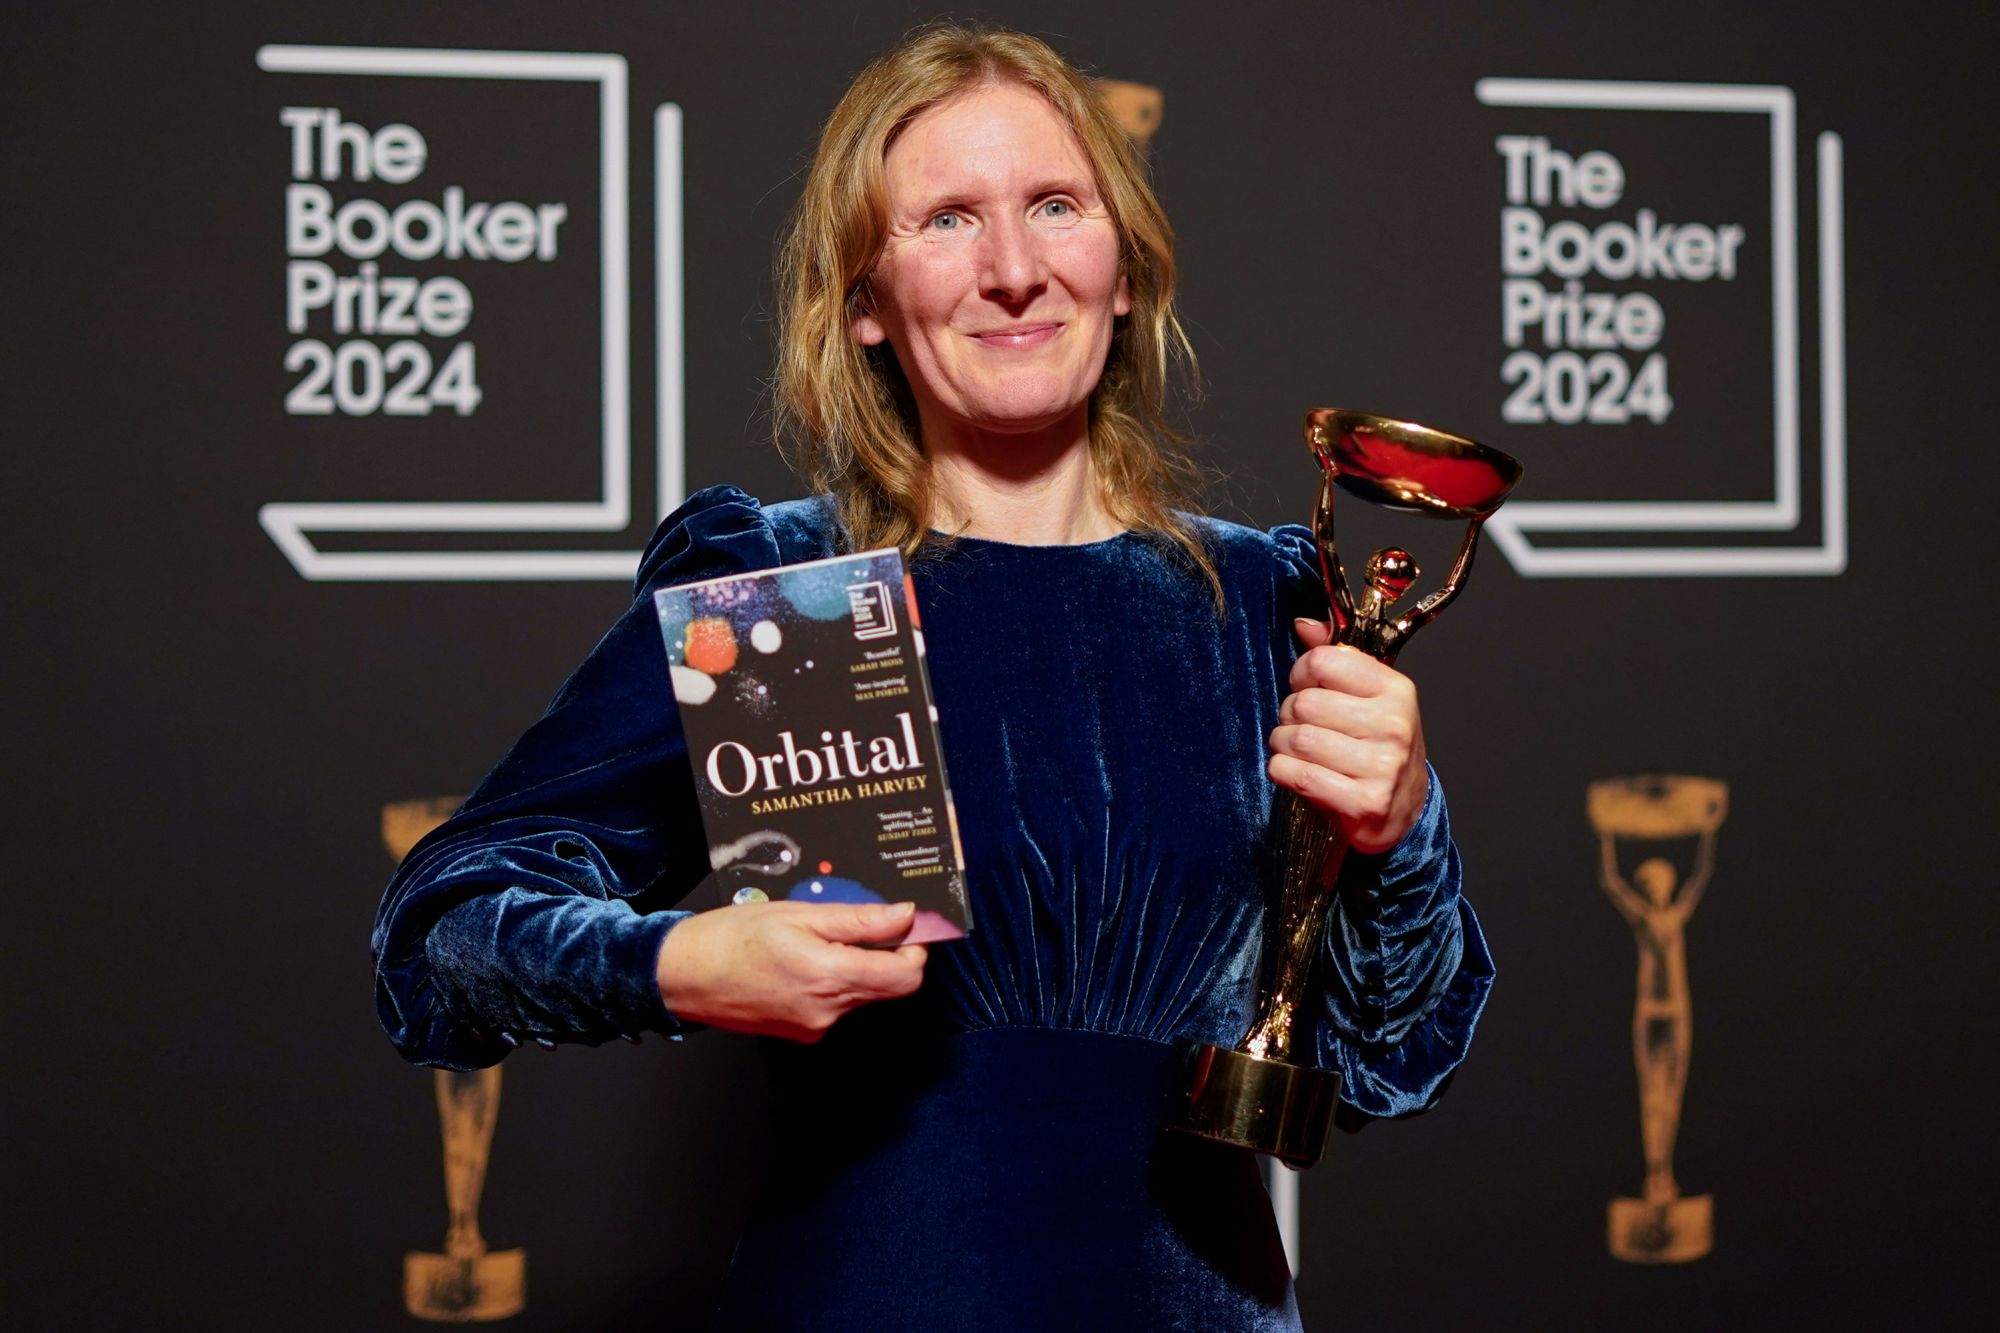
[1404, 970]
[537, 911]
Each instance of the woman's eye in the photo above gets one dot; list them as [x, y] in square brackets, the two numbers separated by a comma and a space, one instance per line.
[945, 222]
[1062, 210]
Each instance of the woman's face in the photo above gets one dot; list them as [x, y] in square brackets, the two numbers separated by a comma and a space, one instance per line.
[1000, 279]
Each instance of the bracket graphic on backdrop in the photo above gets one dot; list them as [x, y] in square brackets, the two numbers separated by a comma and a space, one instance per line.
[1513, 528]
[293, 525]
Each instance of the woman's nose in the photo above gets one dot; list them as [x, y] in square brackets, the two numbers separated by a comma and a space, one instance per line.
[1014, 268]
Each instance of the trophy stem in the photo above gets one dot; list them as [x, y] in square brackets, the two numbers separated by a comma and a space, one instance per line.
[1316, 848]
[1253, 1095]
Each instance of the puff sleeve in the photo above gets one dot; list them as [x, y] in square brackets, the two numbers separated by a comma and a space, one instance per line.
[537, 911]
[1405, 970]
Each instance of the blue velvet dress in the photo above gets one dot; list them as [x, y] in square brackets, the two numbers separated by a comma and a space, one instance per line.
[986, 1154]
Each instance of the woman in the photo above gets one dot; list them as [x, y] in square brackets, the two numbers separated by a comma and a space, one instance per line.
[978, 321]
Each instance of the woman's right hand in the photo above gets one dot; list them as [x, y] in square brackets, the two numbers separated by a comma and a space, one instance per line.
[787, 969]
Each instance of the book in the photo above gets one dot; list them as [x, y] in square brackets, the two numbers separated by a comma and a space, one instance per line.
[813, 738]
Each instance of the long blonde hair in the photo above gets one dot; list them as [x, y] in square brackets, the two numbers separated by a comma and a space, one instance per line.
[844, 411]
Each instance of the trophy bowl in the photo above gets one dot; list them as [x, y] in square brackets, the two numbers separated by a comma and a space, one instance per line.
[1403, 465]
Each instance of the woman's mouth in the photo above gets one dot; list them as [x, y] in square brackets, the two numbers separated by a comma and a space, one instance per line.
[1018, 335]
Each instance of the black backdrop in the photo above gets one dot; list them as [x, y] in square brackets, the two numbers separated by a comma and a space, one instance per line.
[204, 1125]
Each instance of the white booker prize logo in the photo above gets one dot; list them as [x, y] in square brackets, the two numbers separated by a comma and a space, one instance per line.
[1598, 269]
[391, 266]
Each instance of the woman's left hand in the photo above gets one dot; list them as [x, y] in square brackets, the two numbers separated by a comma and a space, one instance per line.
[1351, 740]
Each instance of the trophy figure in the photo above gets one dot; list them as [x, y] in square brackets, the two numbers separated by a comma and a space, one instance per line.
[1662, 1226]
[1251, 1094]
[467, 1283]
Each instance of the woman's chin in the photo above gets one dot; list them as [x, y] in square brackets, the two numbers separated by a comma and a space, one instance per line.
[1027, 415]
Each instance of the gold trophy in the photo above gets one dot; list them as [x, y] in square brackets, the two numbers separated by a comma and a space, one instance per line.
[1251, 1094]
[467, 1283]
[1663, 1226]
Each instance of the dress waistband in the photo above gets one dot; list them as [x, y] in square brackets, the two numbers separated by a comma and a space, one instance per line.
[1113, 1090]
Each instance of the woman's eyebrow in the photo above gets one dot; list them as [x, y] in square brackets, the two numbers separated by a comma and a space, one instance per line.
[928, 204]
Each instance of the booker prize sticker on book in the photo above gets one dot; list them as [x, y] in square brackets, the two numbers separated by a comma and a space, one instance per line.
[813, 738]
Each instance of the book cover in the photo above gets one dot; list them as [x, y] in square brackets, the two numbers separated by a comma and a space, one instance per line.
[813, 738]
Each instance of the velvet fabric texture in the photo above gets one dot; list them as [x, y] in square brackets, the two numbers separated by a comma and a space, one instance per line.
[987, 1152]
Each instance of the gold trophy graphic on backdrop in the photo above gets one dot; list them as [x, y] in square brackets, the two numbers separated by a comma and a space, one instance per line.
[1137, 108]
[1662, 1226]
[467, 1283]
[1252, 1095]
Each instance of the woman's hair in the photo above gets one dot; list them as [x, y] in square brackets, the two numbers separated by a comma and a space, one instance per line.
[845, 411]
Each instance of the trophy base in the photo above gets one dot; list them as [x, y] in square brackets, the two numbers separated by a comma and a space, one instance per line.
[465, 1289]
[1669, 1231]
[1268, 1106]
